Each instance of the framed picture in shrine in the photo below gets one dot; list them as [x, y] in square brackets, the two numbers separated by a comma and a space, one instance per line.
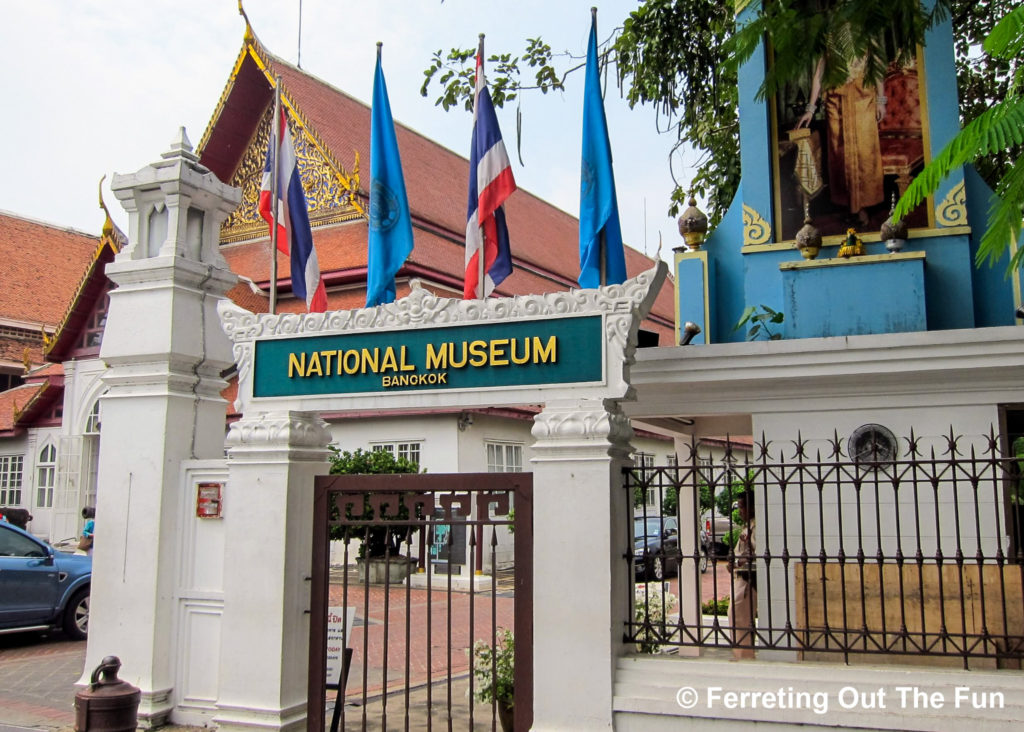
[844, 153]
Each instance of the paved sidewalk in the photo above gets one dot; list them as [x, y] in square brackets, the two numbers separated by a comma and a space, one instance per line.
[37, 682]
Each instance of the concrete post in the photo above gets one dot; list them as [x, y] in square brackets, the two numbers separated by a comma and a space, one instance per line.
[580, 593]
[272, 461]
[164, 350]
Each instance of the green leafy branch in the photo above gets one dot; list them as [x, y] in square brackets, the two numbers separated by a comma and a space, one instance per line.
[997, 129]
[456, 72]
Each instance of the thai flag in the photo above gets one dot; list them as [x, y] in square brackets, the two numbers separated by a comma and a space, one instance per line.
[490, 183]
[294, 236]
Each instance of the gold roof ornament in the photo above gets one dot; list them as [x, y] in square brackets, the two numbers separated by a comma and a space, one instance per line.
[249, 35]
[109, 233]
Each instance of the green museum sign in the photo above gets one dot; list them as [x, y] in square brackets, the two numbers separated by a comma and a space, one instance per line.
[482, 355]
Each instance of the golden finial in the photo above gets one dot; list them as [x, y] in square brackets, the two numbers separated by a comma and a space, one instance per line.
[249, 35]
[108, 225]
[26, 359]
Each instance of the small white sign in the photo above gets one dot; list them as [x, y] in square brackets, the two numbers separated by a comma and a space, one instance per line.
[339, 620]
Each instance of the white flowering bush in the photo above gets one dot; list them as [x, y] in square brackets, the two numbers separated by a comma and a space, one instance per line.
[652, 605]
[494, 669]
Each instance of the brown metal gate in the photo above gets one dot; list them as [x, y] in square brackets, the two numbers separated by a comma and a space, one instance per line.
[408, 660]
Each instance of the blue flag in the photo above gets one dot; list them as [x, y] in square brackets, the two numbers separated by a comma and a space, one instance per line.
[599, 210]
[390, 236]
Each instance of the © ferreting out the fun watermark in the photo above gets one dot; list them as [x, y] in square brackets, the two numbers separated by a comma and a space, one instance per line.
[846, 698]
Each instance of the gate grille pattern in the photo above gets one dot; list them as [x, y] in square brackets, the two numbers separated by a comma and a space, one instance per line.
[916, 556]
[410, 666]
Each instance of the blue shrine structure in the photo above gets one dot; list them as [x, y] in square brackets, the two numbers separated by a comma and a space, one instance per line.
[842, 169]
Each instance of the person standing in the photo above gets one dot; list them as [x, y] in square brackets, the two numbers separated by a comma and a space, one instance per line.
[743, 607]
[85, 542]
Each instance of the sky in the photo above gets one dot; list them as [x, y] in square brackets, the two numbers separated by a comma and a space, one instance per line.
[96, 87]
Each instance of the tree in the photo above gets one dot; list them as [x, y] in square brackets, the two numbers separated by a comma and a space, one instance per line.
[877, 33]
[681, 56]
[991, 137]
[668, 54]
[982, 78]
[378, 541]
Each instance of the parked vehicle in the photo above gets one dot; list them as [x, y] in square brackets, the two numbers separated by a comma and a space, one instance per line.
[716, 531]
[656, 546]
[42, 588]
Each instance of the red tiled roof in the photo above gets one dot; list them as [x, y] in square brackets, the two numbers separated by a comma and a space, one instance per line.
[42, 268]
[11, 400]
[45, 372]
[38, 408]
[12, 348]
[544, 238]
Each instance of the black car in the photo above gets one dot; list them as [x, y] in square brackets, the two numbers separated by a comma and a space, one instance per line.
[656, 546]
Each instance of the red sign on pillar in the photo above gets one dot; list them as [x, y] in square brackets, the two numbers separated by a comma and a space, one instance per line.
[208, 500]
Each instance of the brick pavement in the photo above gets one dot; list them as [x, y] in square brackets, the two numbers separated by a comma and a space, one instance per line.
[428, 644]
[38, 673]
[37, 677]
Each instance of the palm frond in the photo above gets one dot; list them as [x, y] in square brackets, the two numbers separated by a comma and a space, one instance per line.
[1004, 219]
[993, 131]
[1007, 37]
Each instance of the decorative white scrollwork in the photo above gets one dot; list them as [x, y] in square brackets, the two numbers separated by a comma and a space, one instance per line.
[422, 307]
[588, 421]
[287, 429]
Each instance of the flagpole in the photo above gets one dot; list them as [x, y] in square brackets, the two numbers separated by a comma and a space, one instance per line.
[275, 185]
[481, 253]
[601, 246]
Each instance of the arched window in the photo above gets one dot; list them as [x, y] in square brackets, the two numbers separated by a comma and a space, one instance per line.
[46, 476]
[92, 424]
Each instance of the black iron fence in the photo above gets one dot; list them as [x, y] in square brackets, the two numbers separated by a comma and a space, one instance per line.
[432, 596]
[910, 548]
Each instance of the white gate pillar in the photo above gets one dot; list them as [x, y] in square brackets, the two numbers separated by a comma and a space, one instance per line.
[165, 351]
[581, 581]
[264, 655]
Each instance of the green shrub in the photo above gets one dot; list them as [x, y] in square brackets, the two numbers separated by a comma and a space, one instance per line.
[716, 607]
[378, 541]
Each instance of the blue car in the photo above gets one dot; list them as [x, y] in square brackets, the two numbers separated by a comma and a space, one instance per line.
[42, 588]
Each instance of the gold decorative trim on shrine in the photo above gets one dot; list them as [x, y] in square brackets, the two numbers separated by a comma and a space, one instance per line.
[756, 229]
[953, 209]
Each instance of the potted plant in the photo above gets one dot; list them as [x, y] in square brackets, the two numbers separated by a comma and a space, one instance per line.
[380, 552]
[494, 675]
